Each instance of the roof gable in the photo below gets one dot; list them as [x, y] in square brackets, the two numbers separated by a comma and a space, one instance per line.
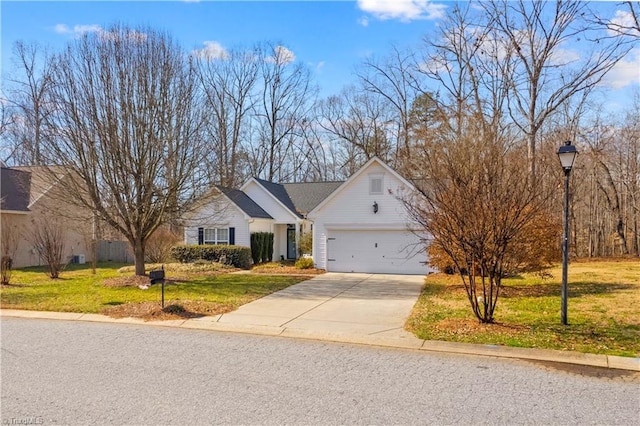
[245, 203]
[15, 190]
[357, 174]
[276, 192]
[43, 179]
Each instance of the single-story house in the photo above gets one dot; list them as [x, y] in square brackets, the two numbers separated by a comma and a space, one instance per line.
[359, 225]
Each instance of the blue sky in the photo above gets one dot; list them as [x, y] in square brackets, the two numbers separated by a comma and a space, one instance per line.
[332, 37]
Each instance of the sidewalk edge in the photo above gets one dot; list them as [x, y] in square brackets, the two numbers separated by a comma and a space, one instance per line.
[567, 357]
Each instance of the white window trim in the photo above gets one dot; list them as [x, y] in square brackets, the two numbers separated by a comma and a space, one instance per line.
[216, 238]
[373, 177]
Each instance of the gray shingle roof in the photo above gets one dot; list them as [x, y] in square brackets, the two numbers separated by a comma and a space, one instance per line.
[280, 193]
[15, 189]
[245, 203]
[307, 195]
[43, 179]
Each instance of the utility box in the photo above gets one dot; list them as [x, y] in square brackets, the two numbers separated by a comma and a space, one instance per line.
[79, 259]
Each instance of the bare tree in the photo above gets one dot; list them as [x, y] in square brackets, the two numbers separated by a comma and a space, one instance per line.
[544, 73]
[317, 154]
[158, 248]
[128, 127]
[629, 139]
[7, 148]
[477, 209]
[395, 79]
[286, 99]
[625, 23]
[28, 94]
[359, 121]
[48, 241]
[229, 84]
[612, 156]
[475, 205]
[466, 67]
[9, 240]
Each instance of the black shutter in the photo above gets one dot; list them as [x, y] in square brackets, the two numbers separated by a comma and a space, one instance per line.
[232, 236]
[200, 236]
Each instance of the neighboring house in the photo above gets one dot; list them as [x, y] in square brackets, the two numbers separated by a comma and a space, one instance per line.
[29, 200]
[359, 225]
[15, 188]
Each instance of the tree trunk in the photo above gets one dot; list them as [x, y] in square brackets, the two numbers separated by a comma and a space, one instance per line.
[531, 157]
[138, 253]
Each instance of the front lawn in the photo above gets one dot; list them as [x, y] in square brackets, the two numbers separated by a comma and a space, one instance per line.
[603, 310]
[114, 293]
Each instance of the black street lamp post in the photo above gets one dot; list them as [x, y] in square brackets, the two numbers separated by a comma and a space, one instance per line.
[567, 155]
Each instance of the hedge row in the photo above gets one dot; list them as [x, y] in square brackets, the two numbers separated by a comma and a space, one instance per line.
[237, 256]
[261, 247]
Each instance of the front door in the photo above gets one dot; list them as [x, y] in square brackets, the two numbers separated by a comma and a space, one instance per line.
[291, 241]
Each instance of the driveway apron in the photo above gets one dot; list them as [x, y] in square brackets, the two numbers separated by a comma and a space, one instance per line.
[336, 303]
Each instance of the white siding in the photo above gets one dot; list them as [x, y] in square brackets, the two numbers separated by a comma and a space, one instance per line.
[219, 213]
[261, 225]
[351, 209]
[265, 199]
[354, 204]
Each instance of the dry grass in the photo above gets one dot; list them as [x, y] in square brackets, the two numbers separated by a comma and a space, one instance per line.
[173, 310]
[284, 268]
[196, 267]
[603, 310]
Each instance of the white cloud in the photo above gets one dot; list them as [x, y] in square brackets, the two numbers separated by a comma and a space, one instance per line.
[62, 29]
[80, 30]
[404, 10]
[622, 22]
[364, 21]
[624, 73]
[212, 50]
[133, 35]
[281, 55]
[562, 56]
[77, 30]
[433, 66]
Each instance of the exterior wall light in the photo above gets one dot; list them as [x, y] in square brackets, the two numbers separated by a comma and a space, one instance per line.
[375, 207]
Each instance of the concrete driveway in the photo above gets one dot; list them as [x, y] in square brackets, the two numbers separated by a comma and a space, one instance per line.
[336, 304]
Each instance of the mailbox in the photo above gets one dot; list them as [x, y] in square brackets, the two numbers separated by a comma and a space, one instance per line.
[156, 276]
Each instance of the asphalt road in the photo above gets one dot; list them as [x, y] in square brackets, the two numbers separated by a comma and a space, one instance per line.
[68, 373]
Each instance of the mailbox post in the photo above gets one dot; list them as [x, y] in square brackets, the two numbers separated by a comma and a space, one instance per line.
[157, 276]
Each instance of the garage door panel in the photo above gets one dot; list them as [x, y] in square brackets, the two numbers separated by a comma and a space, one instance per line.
[374, 251]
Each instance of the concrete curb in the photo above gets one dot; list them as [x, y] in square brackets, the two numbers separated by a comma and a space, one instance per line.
[212, 324]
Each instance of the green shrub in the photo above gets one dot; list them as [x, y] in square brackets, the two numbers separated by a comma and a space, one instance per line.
[256, 249]
[269, 247]
[262, 247]
[237, 256]
[304, 263]
[264, 243]
[306, 243]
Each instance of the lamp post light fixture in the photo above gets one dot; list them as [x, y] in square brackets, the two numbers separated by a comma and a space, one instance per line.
[567, 155]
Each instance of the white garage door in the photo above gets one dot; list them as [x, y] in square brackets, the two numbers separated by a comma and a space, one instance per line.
[375, 251]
